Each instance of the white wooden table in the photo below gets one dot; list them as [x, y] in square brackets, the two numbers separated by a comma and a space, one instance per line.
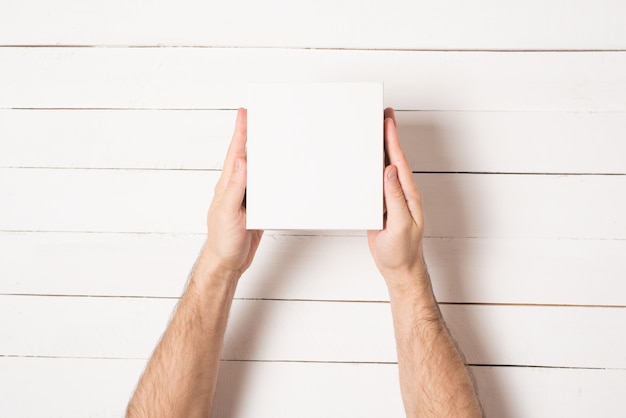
[114, 120]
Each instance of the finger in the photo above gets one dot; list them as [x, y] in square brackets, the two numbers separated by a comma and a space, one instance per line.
[396, 155]
[405, 174]
[392, 144]
[390, 113]
[395, 200]
[237, 147]
[235, 188]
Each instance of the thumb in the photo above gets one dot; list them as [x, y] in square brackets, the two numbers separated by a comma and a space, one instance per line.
[236, 186]
[394, 196]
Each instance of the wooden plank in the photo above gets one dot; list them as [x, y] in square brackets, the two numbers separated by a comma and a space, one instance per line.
[286, 267]
[450, 24]
[468, 205]
[524, 142]
[503, 391]
[314, 331]
[528, 270]
[97, 264]
[115, 138]
[524, 206]
[307, 390]
[213, 78]
[45, 387]
[463, 270]
[102, 387]
[106, 200]
[538, 392]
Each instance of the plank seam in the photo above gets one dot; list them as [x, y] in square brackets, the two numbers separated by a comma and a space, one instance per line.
[300, 300]
[505, 173]
[317, 234]
[278, 233]
[301, 48]
[229, 109]
[396, 109]
[384, 363]
[522, 366]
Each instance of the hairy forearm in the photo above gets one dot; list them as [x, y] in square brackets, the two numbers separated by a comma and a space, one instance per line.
[433, 378]
[181, 377]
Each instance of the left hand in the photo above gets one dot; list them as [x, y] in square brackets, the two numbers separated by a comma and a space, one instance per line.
[230, 248]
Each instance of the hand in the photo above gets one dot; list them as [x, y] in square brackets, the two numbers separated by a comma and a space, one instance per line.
[230, 248]
[397, 249]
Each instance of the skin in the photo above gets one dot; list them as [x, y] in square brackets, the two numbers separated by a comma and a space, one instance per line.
[181, 377]
[434, 381]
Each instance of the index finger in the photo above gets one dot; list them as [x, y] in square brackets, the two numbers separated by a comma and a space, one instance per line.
[394, 150]
[390, 113]
[397, 158]
[237, 147]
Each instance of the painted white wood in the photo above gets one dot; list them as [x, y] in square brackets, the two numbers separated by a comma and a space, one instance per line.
[334, 130]
[503, 391]
[457, 205]
[98, 264]
[528, 270]
[90, 327]
[538, 392]
[314, 331]
[105, 200]
[535, 142]
[247, 389]
[523, 142]
[474, 270]
[449, 24]
[524, 206]
[102, 387]
[115, 138]
[62, 387]
[213, 78]
[493, 239]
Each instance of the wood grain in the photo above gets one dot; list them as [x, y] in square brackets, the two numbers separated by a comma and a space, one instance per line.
[216, 78]
[521, 142]
[44, 387]
[449, 24]
[314, 331]
[102, 387]
[113, 128]
[456, 205]
[537, 392]
[463, 270]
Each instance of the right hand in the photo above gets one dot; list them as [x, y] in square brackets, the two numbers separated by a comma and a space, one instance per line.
[397, 249]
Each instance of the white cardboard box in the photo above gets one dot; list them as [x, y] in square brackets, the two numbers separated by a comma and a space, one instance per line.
[315, 156]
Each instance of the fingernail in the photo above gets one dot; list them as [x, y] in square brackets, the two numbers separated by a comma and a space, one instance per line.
[392, 173]
[238, 166]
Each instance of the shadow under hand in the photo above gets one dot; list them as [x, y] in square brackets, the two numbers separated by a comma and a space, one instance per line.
[435, 146]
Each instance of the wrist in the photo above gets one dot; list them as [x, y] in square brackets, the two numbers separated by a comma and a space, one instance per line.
[410, 279]
[210, 275]
[412, 291]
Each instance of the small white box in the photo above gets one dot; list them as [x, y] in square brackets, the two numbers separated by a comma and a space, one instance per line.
[315, 156]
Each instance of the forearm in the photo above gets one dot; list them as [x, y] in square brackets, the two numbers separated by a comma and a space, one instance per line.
[433, 378]
[181, 377]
